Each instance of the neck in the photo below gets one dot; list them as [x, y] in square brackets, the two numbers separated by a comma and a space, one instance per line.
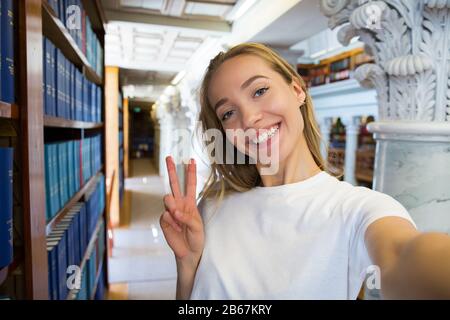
[298, 166]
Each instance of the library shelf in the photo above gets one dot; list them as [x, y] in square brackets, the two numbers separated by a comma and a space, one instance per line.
[72, 293]
[55, 30]
[9, 111]
[54, 122]
[63, 212]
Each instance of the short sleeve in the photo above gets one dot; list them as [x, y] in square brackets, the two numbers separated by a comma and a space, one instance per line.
[367, 206]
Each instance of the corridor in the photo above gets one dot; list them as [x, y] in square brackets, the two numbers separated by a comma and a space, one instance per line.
[142, 265]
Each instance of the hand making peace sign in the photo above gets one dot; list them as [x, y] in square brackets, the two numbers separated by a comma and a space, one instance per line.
[181, 222]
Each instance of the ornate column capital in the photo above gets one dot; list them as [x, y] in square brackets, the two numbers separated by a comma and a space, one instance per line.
[410, 42]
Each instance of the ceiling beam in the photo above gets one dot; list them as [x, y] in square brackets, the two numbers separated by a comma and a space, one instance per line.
[152, 19]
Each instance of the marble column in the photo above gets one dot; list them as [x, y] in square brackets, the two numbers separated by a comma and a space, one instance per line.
[410, 43]
[351, 145]
[325, 129]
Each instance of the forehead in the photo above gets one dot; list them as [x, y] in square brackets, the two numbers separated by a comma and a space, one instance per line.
[233, 72]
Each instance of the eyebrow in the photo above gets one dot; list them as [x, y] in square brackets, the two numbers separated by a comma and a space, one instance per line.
[243, 86]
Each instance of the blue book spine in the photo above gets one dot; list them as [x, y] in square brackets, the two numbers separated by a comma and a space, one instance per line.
[70, 163]
[80, 95]
[72, 91]
[85, 99]
[62, 267]
[84, 233]
[44, 75]
[48, 191]
[55, 180]
[52, 78]
[61, 11]
[55, 6]
[52, 270]
[93, 102]
[77, 165]
[59, 84]
[67, 88]
[6, 208]
[7, 52]
[61, 164]
[77, 234]
[47, 77]
[66, 171]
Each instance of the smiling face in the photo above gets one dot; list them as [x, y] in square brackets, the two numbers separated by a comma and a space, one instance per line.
[248, 96]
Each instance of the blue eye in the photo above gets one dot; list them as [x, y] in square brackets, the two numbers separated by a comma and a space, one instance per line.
[260, 92]
[226, 115]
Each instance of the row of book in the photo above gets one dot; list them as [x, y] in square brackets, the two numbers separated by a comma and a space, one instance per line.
[73, 15]
[341, 75]
[93, 276]
[74, 239]
[68, 165]
[66, 91]
[7, 59]
[6, 206]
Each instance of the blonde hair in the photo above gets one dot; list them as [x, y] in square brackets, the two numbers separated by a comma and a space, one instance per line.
[226, 178]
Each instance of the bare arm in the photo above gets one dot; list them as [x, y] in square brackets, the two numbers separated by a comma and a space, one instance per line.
[185, 280]
[413, 265]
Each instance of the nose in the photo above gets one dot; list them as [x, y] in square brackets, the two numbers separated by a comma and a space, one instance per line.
[250, 116]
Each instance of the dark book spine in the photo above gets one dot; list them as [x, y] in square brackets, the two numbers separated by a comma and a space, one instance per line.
[7, 52]
[6, 208]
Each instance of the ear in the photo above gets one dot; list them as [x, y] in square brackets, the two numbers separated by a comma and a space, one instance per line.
[299, 92]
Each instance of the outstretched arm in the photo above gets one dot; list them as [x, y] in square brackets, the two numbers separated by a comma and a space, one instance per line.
[413, 265]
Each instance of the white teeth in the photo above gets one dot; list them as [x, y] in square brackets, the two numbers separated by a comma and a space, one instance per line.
[266, 135]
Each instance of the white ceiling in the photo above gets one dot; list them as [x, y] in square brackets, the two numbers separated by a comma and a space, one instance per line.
[161, 37]
[300, 22]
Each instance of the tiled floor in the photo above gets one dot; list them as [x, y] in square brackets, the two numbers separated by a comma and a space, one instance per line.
[142, 265]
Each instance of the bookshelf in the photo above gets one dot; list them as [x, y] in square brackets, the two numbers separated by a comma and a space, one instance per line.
[365, 153]
[54, 122]
[336, 68]
[76, 198]
[30, 130]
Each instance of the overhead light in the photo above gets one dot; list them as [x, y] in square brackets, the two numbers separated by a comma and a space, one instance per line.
[178, 77]
[239, 9]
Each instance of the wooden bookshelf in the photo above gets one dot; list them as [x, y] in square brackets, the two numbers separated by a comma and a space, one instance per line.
[76, 198]
[54, 122]
[326, 71]
[9, 111]
[55, 30]
[28, 274]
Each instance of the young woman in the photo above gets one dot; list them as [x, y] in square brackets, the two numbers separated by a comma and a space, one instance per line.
[298, 233]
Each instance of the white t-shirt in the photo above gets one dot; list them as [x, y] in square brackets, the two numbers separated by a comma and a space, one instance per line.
[303, 240]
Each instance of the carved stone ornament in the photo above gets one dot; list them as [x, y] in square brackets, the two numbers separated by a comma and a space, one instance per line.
[410, 42]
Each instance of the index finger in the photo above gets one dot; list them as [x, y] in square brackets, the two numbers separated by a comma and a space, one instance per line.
[173, 179]
[191, 179]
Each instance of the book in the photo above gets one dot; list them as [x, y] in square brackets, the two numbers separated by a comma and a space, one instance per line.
[52, 256]
[6, 206]
[8, 74]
